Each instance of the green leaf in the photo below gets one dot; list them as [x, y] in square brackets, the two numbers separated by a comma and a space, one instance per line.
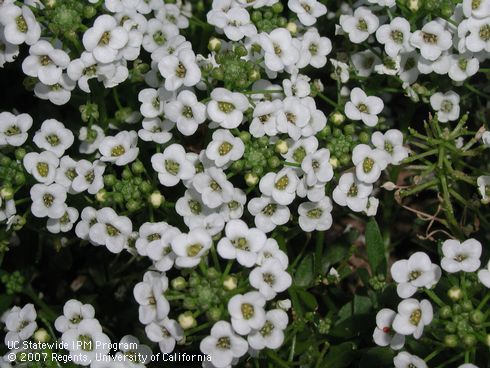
[340, 356]
[376, 357]
[305, 273]
[375, 248]
[362, 304]
[307, 299]
[333, 254]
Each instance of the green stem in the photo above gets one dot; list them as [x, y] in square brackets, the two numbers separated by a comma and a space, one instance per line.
[418, 188]
[50, 314]
[433, 354]
[271, 354]
[327, 100]
[320, 241]
[419, 156]
[434, 297]
[483, 302]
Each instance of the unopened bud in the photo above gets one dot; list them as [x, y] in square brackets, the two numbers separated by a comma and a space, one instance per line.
[389, 186]
[230, 283]
[455, 293]
[214, 44]
[251, 179]
[281, 147]
[187, 320]
[337, 118]
[156, 199]
[292, 27]
[41, 335]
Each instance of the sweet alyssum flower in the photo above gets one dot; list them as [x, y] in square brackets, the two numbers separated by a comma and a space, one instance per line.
[173, 165]
[363, 107]
[149, 295]
[13, 128]
[156, 130]
[279, 49]
[20, 25]
[213, 186]
[224, 148]
[390, 142]
[226, 108]
[241, 243]
[446, 105]
[267, 213]
[54, 137]
[432, 40]
[74, 312]
[180, 70]
[105, 38]
[484, 276]
[359, 25]
[459, 256]
[307, 10]
[45, 62]
[483, 183]
[395, 36]
[413, 273]
[88, 176]
[280, 186]
[369, 162]
[463, 66]
[111, 230]
[223, 345]
[235, 22]
[58, 93]
[352, 193]
[293, 117]
[404, 360]
[264, 120]
[190, 247]
[315, 216]
[152, 101]
[41, 165]
[20, 323]
[384, 334]
[271, 251]
[271, 334]
[412, 316]
[317, 167]
[166, 333]
[64, 223]
[270, 278]
[186, 112]
[120, 149]
[48, 200]
[247, 312]
[88, 218]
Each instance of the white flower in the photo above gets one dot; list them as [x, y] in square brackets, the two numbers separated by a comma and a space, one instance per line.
[48, 200]
[484, 276]
[383, 334]
[395, 36]
[359, 25]
[190, 247]
[8, 51]
[45, 62]
[271, 251]
[405, 360]
[369, 162]
[156, 130]
[149, 295]
[314, 50]
[279, 49]
[413, 273]
[352, 193]
[83, 69]
[186, 112]
[265, 118]
[130, 346]
[74, 312]
[280, 186]
[432, 40]
[213, 186]
[226, 108]
[66, 172]
[86, 342]
[315, 216]
[173, 165]
[298, 85]
[408, 67]
[64, 223]
[166, 333]
[293, 116]
[446, 105]
[7, 210]
[235, 22]
[152, 101]
[267, 213]
[341, 71]
[478, 38]
[54, 137]
[467, 365]
[270, 278]
[154, 241]
[390, 142]
[13, 129]
[20, 25]
[477, 9]
[41, 165]
[20, 323]
[180, 70]
[364, 62]
[463, 256]
[233, 209]
[241, 243]
[120, 149]
[483, 183]
[463, 66]
[363, 107]
[58, 93]
[88, 219]
[307, 10]
[223, 345]
[105, 38]
[158, 34]
[89, 176]
[224, 148]
[412, 316]
[111, 230]
[247, 312]
[271, 334]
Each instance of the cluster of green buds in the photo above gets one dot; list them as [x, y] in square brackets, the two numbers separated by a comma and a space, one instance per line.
[268, 18]
[443, 8]
[12, 172]
[131, 191]
[14, 282]
[235, 73]
[259, 158]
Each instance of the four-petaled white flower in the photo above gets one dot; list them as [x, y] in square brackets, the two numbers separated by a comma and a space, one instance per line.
[363, 107]
[459, 256]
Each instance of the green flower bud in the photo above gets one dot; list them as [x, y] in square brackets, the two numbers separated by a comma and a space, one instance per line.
[364, 137]
[445, 312]
[268, 14]
[212, 273]
[132, 205]
[146, 187]
[179, 283]
[194, 281]
[137, 167]
[214, 44]
[19, 179]
[455, 293]
[256, 16]
[117, 197]
[110, 180]
[89, 11]
[467, 306]
[345, 159]
[349, 129]
[277, 8]
[5, 160]
[126, 174]
[190, 303]
[450, 327]
[469, 340]
[337, 118]
[101, 196]
[477, 317]
[214, 314]
[217, 73]
[245, 136]
[186, 320]
[273, 162]
[240, 51]
[7, 192]
[451, 341]
[20, 153]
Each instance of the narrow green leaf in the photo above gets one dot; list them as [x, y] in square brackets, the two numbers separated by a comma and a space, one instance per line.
[375, 248]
